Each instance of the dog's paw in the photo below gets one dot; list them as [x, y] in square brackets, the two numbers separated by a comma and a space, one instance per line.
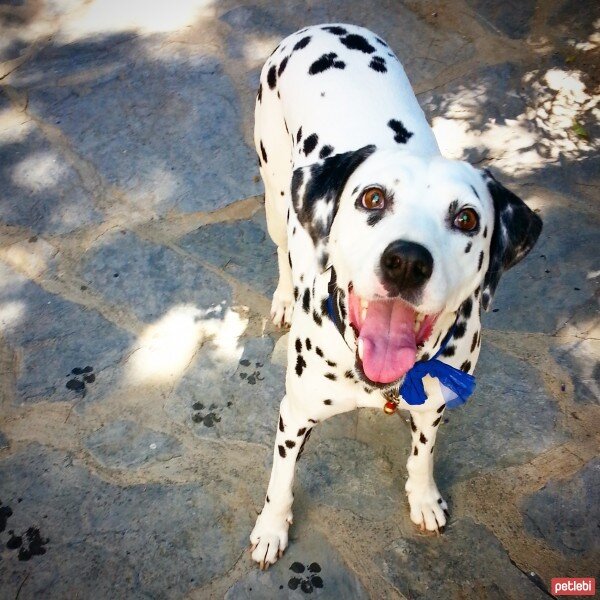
[282, 308]
[428, 510]
[269, 539]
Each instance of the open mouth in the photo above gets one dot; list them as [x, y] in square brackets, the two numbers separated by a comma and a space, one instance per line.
[389, 333]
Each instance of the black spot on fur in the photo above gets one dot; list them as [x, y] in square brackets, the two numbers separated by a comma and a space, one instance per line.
[319, 351]
[325, 184]
[317, 318]
[298, 345]
[480, 263]
[300, 365]
[474, 342]
[306, 301]
[272, 77]
[310, 143]
[299, 135]
[374, 217]
[437, 421]
[349, 375]
[467, 308]
[459, 330]
[312, 421]
[415, 451]
[516, 230]
[305, 439]
[308, 344]
[302, 43]
[267, 498]
[281, 451]
[335, 30]
[290, 443]
[290, 259]
[263, 152]
[327, 61]
[296, 293]
[324, 307]
[328, 402]
[449, 351]
[380, 41]
[330, 363]
[331, 376]
[301, 431]
[378, 64]
[425, 356]
[422, 438]
[402, 135]
[468, 247]
[352, 41]
[412, 424]
[441, 409]
[282, 66]
[325, 151]
[281, 425]
[466, 366]
[485, 231]
[477, 290]
[259, 94]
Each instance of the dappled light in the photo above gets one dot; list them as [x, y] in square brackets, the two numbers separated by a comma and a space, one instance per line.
[141, 16]
[166, 348]
[39, 171]
[14, 126]
[11, 315]
[547, 130]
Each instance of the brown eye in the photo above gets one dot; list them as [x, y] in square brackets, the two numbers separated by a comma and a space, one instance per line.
[466, 220]
[373, 199]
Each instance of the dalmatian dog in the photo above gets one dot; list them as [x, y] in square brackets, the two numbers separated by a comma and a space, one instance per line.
[386, 252]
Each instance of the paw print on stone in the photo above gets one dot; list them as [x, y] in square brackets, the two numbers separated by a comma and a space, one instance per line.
[82, 375]
[34, 543]
[307, 580]
[209, 418]
[251, 378]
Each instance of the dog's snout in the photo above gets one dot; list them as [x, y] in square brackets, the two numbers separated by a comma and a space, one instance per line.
[407, 265]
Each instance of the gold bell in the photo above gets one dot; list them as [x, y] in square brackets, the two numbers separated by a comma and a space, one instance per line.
[389, 408]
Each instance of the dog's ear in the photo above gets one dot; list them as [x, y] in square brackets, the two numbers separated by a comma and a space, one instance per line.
[516, 230]
[316, 192]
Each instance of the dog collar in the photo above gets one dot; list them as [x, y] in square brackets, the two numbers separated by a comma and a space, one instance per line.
[460, 384]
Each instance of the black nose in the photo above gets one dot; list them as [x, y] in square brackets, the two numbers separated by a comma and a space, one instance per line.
[406, 265]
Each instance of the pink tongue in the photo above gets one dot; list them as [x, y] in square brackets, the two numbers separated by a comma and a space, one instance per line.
[389, 341]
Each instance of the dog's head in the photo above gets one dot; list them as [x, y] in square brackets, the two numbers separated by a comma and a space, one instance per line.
[410, 238]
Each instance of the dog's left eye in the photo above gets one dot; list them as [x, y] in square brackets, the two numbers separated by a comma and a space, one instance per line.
[466, 220]
[373, 199]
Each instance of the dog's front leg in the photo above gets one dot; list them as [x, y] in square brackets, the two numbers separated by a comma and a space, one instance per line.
[270, 534]
[428, 509]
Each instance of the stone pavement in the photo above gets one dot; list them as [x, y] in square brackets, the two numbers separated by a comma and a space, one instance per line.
[139, 377]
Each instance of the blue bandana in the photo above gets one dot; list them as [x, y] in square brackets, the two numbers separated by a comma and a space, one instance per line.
[459, 383]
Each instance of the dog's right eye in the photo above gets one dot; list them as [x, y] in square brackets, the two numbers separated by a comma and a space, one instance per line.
[373, 199]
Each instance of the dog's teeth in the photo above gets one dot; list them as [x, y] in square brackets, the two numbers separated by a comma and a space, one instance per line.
[418, 320]
[360, 349]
